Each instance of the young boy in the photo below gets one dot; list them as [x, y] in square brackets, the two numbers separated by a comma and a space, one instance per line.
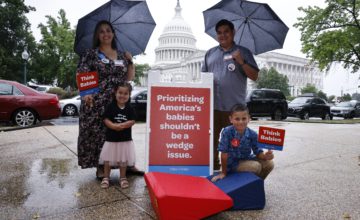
[238, 147]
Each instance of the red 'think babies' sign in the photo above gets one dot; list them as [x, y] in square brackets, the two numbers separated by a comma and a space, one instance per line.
[88, 83]
[271, 138]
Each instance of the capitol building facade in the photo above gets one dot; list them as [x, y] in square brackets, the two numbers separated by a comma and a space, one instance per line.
[178, 58]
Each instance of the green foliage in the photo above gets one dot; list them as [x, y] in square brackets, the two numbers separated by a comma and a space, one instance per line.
[309, 88]
[332, 33]
[331, 98]
[346, 97]
[290, 98]
[70, 94]
[322, 95]
[62, 94]
[272, 79]
[140, 70]
[15, 35]
[55, 58]
[57, 91]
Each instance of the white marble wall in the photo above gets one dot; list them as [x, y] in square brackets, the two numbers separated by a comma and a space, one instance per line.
[298, 70]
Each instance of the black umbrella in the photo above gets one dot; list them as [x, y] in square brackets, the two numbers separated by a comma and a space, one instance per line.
[257, 26]
[131, 20]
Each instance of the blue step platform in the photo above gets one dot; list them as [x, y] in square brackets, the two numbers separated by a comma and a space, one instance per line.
[246, 189]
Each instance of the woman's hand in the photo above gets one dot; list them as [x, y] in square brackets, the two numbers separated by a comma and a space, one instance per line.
[131, 66]
[89, 100]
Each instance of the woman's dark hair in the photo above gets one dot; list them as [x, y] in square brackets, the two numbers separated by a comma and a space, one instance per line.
[224, 22]
[239, 108]
[96, 41]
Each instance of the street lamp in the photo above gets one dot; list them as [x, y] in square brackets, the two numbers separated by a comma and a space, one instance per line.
[25, 56]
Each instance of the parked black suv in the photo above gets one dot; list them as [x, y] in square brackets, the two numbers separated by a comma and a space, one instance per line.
[267, 102]
[139, 102]
[306, 106]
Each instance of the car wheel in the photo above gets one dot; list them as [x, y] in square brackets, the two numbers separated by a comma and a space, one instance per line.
[326, 116]
[70, 110]
[351, 115]
[24, 118]
[305, 116]
[277, 115]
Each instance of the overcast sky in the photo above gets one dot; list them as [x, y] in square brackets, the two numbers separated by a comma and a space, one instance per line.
[164, 10]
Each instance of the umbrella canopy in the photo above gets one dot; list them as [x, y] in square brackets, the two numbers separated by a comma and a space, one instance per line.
[132, 22]
[257, 26]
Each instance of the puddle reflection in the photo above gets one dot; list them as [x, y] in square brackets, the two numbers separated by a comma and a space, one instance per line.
[13, 190]
[50, 185]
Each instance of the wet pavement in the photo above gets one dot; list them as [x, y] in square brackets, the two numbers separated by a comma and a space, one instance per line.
[316, 176]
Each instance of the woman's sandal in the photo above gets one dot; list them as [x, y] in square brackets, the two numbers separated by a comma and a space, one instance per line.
[104, 183]
[124, 183]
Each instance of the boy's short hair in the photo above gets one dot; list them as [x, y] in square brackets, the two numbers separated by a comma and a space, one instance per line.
[224, 22]
[239, 108]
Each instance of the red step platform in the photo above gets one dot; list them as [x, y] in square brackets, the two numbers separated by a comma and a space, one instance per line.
[176, 196]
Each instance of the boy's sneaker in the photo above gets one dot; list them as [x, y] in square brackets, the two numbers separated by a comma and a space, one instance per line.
[217, 166]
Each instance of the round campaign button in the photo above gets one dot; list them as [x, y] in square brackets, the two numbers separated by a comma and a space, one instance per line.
[231, 67]
[235, 142]
[104, 60]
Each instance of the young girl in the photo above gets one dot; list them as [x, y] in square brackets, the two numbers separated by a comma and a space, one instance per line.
[118, 148]
[238, 147]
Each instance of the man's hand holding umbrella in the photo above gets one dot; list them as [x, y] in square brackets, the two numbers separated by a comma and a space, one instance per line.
[250, 72]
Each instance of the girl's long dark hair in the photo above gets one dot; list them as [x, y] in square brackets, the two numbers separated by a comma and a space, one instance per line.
[122, 84]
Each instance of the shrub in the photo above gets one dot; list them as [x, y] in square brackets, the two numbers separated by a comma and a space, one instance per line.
[70, 94]
[62, 94]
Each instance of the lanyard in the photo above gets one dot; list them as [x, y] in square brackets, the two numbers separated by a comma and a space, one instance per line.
[102, 57]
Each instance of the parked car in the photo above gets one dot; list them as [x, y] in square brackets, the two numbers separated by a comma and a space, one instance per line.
[267, 102]
[305, 107]
[43, 88]
[23, 105]
[346, 109]
[70, 107]
[139, 102]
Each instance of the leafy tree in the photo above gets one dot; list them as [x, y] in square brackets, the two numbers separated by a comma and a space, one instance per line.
[15, 35]
[356, 96]
[331, 98]
[309, 88]
[140, 69]
[272, 79]
[346, 97]
[322, 95]
[55, 58]
[332, 33]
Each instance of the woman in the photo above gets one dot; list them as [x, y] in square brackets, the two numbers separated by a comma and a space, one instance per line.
[113, 67]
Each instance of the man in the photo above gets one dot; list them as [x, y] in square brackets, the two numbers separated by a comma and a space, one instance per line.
[231, 65]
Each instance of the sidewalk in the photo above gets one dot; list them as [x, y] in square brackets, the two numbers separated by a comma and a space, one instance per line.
[317, 176]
